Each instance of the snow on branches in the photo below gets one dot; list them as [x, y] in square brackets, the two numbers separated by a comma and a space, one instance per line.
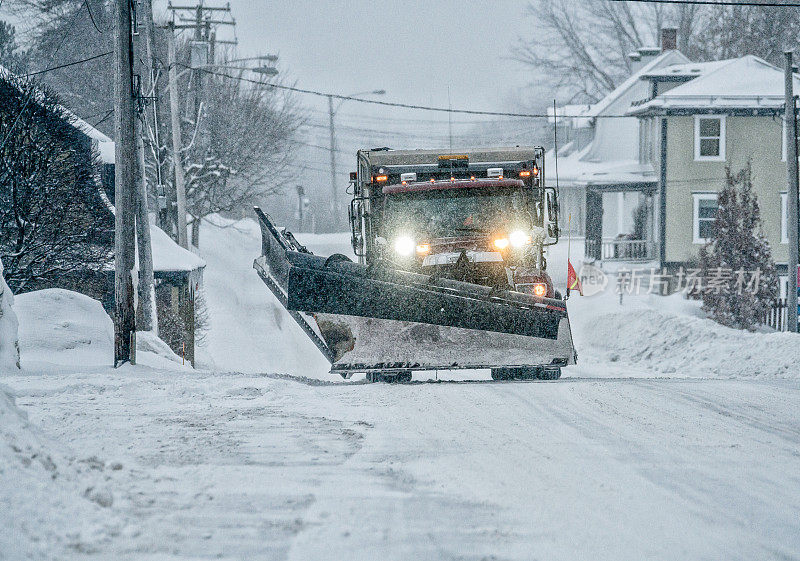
[52, 221]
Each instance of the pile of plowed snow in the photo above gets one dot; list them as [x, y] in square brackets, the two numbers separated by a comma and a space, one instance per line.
[250, 331]
[9, 346]
[52, 505]
[59, 328]
[671, 336]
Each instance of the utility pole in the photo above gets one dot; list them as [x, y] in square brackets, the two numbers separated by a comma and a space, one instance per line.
[127, 162]
[147, 314]
[334, 193]
[300, 207]
[331, 113]
[201, 22]
[177, 144]
[791, 167]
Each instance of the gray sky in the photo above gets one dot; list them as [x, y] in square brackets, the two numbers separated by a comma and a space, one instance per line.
[414, 49]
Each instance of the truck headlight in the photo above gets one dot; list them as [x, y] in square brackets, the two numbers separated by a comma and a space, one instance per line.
[519, 238]
[501, 243]
[404, 246]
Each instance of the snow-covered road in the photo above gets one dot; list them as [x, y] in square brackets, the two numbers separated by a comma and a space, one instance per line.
[243, 466]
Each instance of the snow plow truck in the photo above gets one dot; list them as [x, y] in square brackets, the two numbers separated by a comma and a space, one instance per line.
[451, 271]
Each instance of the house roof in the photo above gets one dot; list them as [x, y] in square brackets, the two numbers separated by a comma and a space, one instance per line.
[169, 256]
[615, 141]
[743, 83]
[616, 174]
[685, 71]
[600, 107]
[105, 145]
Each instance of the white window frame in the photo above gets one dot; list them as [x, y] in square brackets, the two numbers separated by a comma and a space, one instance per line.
[784, 138]
[721, 156]
[784, 218]
[784, 134]
[697, 197]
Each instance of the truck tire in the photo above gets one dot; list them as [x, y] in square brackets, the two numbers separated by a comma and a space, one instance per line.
[550, 373]
[520, 373]
[401, 377]
[501, 373]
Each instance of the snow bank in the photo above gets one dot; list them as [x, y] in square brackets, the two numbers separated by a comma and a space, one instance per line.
[671, 336]
[250, 331]
[9, 345]
[53, 504]
[152, 351]
[64, 328]
[60, 328]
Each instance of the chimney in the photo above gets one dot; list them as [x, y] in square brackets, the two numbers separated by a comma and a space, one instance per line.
[669, 39]
[636, 60]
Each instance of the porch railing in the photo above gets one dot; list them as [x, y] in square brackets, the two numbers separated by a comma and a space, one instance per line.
[620, 250]
[775, 316]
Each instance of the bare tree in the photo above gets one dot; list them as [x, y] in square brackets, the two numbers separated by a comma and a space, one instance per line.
[240, 148]
[764, 31]
[12, 56]
[52, 220]
[581, 48]
[66, 31]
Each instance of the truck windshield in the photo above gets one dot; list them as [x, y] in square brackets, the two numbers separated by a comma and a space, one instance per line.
[456, 212]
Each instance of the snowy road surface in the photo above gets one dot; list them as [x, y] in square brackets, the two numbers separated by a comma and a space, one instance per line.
[243, 466]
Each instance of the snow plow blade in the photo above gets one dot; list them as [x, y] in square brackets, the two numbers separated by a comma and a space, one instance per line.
[366, 319]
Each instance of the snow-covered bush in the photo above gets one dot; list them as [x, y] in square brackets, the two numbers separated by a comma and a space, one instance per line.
[741, 279]
[9, 343]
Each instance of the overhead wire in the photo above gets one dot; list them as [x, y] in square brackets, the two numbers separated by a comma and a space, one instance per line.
[67, 64]
[91, 16]
[387, 103]
[30, 97]
[717, 3]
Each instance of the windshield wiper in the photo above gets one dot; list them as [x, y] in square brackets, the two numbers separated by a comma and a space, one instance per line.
[471, 229]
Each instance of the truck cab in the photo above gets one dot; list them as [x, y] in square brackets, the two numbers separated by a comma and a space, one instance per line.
[481, 216]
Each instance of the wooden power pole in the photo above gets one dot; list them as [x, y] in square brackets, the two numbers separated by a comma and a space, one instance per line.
[127, 163]
[791, 168]
[177, 144]
[202, 24]
[147, 319]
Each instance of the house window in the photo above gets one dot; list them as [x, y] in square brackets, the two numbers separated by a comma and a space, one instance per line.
[709, 138]
[785, 218]
[784, 136]
[705, 215]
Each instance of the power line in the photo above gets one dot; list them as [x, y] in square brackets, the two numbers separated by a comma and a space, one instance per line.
[401, 119]
[65, 65]
[717, 3]
[360, 132]
[105, 118]
[389, 103]
[91, 16]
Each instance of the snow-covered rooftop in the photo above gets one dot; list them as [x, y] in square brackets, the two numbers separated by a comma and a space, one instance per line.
[577, 171]
[169, 256]
[105, 146]
[667, 57]
[689, 70]
[743, 83]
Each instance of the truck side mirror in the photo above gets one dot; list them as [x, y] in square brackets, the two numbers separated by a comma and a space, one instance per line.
[355, 215]
[551, 215]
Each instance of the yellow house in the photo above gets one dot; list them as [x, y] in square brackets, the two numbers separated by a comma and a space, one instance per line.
[698, 119]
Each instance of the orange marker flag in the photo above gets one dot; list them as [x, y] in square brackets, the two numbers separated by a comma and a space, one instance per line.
[573, 282]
